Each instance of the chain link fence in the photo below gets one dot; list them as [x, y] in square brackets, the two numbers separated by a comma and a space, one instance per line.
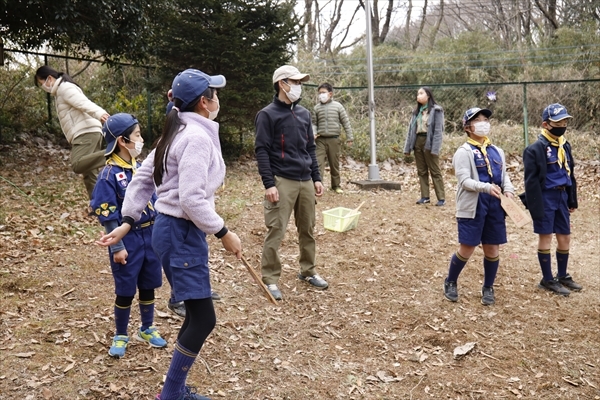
[517, 109]
[141, 90]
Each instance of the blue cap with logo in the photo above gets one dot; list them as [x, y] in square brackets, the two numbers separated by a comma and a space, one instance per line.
[472, 112]
[114, 127]
[555, 112]
[191, 83]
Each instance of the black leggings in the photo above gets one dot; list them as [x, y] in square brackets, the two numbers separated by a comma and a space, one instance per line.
[200, 320]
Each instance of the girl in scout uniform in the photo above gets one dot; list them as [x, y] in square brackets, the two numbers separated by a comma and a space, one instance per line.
[480, 169]
[133, 262]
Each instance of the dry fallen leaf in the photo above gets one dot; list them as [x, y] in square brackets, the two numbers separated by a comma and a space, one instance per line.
[46, 393]
[25, 355]
[466, 348]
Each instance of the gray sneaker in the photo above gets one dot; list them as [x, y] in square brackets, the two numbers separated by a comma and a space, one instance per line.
[554, 286]
[215, 296]
[275, 291]
[314, 280]
[487, 296]
[450, 291]
[568, 282]
[178, 308]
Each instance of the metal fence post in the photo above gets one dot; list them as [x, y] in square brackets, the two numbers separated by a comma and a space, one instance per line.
[525, 117]
[48, 99]
[150, 138]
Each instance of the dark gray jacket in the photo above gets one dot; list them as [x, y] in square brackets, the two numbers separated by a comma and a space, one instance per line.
[435, 132]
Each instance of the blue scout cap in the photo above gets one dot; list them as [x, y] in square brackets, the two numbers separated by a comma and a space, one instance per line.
[472, 112]
[114, 127]
[191, 83]
[555, 112]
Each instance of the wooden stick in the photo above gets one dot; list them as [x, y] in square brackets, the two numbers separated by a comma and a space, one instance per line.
[516, 213]
[351, 213]
[259, 282]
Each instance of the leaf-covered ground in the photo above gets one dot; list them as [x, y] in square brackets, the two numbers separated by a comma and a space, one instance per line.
[381, 331]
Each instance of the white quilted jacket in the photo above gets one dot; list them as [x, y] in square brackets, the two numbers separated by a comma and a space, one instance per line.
[77, 114]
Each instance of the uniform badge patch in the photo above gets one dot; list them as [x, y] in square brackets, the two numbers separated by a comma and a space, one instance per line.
[122, 179]
[105, 213]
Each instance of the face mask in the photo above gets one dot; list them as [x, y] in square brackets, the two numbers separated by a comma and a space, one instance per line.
[213, 114]
[137, 150]
[482, 128]
[323, 97]
[558, 132]
[294, 93]
[45, 88]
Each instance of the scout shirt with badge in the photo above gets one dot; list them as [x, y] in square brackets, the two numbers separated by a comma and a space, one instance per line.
[109, 192]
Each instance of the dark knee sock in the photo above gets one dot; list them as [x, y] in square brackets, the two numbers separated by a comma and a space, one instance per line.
[147, 308]
[122, 312]
[490, 269]
[562, 259]
[457, 263]
[181, 363]
[200, 320]
[545, 259]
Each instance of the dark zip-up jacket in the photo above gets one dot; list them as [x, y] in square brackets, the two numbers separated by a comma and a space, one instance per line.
[285, 143]
[534, 161]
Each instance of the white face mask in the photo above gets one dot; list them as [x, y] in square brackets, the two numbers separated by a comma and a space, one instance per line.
[294, 93]
[323, 97]
[482, 128]
[45, 88]
[137, 150]
[213, 114]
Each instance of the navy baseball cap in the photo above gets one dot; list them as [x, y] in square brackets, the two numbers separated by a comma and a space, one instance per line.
[472, 112]
[114, 127]
[555, 112]
[191, 83]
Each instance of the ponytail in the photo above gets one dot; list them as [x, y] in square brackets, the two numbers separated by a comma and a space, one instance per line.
[171, 128]
[45, 71]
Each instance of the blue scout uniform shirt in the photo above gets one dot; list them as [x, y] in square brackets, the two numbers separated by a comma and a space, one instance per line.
[555, 175]
[109, 193]
[495, 164]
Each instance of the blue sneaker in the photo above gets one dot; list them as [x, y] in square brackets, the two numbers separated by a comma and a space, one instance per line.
[152, 337]
[118, 347]
[189, 393]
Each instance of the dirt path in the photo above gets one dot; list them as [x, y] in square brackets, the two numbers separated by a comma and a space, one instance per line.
[382, 331]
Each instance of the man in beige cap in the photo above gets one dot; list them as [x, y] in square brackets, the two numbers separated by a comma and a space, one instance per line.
[287, 163]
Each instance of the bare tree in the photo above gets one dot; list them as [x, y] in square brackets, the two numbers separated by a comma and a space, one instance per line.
[550, 14]
[436, 27]
[323, 34]
[380, 35]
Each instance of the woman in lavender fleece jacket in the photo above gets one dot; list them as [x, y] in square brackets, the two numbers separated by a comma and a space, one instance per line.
[190, 170]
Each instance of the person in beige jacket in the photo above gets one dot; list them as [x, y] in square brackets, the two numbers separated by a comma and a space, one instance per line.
[80, 120]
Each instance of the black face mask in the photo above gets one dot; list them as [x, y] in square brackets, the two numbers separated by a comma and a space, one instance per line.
[558, 132]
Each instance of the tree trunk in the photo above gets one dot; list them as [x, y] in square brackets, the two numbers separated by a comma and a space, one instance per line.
[436, 28]
[421, 26]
